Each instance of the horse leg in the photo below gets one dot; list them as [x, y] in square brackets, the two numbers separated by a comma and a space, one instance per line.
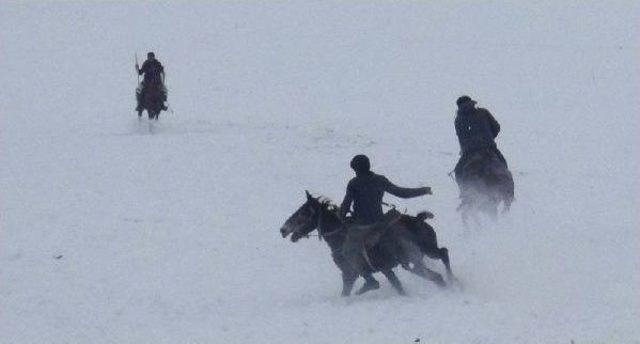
[369, 284]
[465, 212]
[349, 275]
[353, 251]
[491, 210]
[421, 270]
[442, 254]
[395, 282]
[471, 218]
[507, 205]
[348, 280]
[139, 100]
[507, 198]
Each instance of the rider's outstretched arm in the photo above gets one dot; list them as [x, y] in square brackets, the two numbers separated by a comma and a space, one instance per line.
[405, 192]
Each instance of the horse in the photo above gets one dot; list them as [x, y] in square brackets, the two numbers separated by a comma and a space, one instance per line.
[485, 183]
[414, 237]
[152, 99]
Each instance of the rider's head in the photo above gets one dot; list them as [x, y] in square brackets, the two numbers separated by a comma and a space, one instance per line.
[151, 56]
[360, 164]
[465, 102]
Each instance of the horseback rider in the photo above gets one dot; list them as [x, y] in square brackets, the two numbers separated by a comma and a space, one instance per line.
[153, 77]
[476, 129]
[365, 192]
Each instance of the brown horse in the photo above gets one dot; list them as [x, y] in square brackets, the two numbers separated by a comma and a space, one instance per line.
[414, 237]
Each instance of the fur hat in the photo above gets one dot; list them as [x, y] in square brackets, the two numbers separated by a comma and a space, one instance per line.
[464, 99]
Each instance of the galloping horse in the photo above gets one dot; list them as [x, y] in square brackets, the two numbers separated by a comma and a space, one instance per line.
[153, 99]
[415, 237]
[485, 183]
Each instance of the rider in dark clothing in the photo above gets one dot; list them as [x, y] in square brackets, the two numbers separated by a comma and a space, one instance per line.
[365, 191]
[476, 129]
[153, 76]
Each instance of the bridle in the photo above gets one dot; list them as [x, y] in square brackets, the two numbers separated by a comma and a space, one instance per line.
[321, 235]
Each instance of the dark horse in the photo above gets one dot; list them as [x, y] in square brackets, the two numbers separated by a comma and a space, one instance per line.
[152, 99]
[415, 237]
[485, 183]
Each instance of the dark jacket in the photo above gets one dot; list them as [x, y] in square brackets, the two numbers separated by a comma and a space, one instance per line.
[476, 129]
[365, 191]
[152, 70]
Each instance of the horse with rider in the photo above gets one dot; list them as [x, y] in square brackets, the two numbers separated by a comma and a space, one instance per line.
[369, 240]
[151, 93]
[482, 174]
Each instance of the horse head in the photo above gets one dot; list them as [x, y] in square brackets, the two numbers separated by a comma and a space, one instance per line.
[304, 220]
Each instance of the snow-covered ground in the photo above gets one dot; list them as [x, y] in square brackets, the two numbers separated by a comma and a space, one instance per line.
[112, 234]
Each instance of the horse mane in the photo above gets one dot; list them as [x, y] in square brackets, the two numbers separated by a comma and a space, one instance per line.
[326, 203]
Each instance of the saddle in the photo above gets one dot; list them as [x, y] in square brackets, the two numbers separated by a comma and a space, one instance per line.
[379, 229]
[481, 163]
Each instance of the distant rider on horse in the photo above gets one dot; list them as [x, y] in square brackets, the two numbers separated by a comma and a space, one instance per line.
[153, 77]
[476, 129]
[365, 192]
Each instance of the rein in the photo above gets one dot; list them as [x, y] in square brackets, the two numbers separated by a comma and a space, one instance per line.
[333, 232]
[324, 235]
[341, 227]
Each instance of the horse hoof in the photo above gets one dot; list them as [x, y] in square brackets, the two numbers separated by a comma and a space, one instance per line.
[455, 283]
[368, 286]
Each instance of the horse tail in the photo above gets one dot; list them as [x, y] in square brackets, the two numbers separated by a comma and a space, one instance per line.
[423, 215]
[421, 233]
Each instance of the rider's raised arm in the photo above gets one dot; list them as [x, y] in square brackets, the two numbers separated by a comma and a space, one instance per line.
[143, 68]
[404, 192]
[346, 202]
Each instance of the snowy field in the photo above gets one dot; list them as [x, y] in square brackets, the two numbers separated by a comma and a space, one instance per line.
[111, 233]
